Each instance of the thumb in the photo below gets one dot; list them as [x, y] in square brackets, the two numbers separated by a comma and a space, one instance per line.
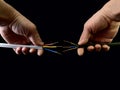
[84, 37]
[35, 38]
[83, 40]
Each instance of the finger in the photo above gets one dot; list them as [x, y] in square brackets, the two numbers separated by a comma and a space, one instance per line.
[35, 38]
[105, 47]
[32, 50]
[40, 52]
[90, 48]
[80, 51]
[84, 37]
[14, 50]
[97, 47]
[25, 50]
[18, 50]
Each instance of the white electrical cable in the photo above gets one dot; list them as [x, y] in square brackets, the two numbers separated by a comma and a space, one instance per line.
[5, 45]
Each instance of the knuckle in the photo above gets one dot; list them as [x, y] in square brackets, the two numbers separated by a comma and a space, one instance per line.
[90, 27]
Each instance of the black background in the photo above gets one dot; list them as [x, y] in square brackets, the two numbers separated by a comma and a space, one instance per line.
[57, 21]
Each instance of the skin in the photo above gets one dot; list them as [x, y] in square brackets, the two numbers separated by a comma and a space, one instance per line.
[101, 28]
[17, 29]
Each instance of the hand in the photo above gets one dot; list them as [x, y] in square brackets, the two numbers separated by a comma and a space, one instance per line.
[16, 29]
[101, 28]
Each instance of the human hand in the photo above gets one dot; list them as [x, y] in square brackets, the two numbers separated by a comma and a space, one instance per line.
[16, 29]
[101, 28]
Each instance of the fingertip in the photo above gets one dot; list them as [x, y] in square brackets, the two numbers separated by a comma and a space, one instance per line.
[35, 39]
[106, 47]
[32, 50]
[80, 51]
[90, 48]
[84, 36]
[40, 52]
[39, 43]
[82, 41]
[18, 50]
[25, 50]
[98, 47]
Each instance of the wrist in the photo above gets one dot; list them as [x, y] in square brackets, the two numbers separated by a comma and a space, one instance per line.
[112, 10]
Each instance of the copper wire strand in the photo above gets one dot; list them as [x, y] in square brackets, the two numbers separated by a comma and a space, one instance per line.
[69, 49]
[70, 42]
[49, 44]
